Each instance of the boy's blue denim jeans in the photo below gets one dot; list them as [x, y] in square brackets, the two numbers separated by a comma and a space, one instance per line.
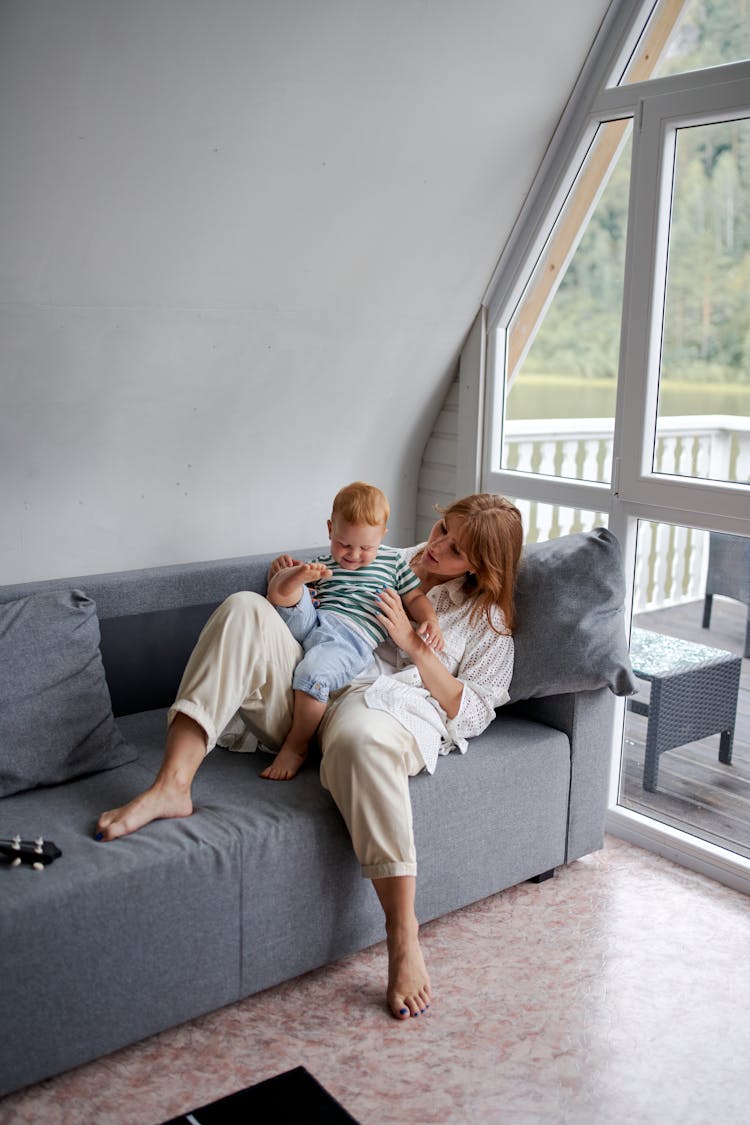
[335, 653]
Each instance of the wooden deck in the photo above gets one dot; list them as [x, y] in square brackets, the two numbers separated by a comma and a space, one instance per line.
[696, 793]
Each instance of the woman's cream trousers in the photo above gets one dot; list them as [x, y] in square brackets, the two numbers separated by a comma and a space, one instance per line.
[242, 667]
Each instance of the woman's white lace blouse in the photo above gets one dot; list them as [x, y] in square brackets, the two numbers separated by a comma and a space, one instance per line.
[477, 656]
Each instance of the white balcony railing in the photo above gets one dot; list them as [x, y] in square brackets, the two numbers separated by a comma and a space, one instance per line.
[672, 560]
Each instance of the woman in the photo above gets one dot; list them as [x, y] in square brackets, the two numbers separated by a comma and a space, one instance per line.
[376, 733]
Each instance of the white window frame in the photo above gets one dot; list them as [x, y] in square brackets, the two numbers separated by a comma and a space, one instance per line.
[721, 506]
[657, 108]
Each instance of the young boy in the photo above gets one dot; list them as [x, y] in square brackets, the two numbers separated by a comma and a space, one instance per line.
[339, 635]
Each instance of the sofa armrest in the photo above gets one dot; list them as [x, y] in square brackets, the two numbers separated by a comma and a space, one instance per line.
[586, 718]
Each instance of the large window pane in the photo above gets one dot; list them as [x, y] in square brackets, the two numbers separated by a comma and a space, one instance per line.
[704, 387]
[688, 35]
[691, 713]
[563, 340]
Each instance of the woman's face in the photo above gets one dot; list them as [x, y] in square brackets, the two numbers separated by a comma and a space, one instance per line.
[442, 555]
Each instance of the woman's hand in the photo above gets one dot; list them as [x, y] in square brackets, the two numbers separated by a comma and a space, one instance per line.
[394, 620]
[393, 616]
[442, 686]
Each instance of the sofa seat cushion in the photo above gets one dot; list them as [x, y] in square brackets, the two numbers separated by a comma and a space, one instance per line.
[492, 817]
[112, 942]
[505, 804]
[295, 859]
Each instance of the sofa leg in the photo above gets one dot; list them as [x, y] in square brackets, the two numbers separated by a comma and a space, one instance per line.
[545, 875]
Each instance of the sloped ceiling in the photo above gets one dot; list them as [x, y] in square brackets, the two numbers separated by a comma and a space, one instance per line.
[243, 242]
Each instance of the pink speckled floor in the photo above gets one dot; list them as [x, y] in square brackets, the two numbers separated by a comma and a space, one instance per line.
[618, 992]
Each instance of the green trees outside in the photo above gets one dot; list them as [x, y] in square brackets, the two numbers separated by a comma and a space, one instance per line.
[707, 322]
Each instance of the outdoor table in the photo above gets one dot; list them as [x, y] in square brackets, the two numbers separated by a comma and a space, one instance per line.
[694, 692]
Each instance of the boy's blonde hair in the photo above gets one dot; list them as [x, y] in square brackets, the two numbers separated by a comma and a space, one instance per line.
[361, 503]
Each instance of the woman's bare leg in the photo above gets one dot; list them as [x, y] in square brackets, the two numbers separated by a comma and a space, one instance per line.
[169, 796]
[408, 981]
[368, 758]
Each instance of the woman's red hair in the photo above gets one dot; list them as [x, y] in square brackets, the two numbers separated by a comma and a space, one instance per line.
[491, 537]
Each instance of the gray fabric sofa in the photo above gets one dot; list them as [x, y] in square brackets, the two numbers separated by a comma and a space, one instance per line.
[114, 942]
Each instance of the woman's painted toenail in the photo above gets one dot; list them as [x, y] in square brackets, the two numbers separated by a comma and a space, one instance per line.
[404, 1012]
[99, 836]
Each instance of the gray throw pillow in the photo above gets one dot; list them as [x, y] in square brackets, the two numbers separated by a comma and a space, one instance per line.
[56, 718]
[570, 633]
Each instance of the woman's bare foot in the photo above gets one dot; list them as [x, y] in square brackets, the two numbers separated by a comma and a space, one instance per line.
[285, 587]
[286, 764]
[409, 991]
[169, 796]
[157, 803]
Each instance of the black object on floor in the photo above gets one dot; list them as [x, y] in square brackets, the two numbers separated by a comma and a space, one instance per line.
[294, 1095]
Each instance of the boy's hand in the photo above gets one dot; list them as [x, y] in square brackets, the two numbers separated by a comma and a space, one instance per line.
[431, 634]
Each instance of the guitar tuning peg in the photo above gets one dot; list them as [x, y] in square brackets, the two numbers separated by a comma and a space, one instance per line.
[38, 866]
[39, 844]
[16, 845]
[16, 862]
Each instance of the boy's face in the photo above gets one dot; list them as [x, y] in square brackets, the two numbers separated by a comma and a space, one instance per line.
[354, 544]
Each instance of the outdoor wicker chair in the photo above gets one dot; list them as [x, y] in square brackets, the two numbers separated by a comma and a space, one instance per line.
[728, 574]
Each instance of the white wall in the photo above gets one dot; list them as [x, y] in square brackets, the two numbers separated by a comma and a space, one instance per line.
[240, 246]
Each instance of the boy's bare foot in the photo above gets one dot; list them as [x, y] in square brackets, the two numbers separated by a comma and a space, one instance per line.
[285, 587]
[286, 764]
[409, 991]
[157, 803]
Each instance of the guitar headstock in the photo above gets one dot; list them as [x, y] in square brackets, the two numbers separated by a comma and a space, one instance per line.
[39, 852]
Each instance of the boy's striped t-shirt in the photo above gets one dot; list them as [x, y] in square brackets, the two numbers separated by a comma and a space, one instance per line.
[351, 593]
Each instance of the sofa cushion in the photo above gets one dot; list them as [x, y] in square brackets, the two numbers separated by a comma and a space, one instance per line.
[56, 718]
[113, 942]
[570, 633]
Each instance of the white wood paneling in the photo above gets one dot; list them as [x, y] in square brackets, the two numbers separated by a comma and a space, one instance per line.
[437, 477]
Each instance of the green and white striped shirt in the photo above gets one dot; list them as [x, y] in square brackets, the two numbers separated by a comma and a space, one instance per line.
[351, 593]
